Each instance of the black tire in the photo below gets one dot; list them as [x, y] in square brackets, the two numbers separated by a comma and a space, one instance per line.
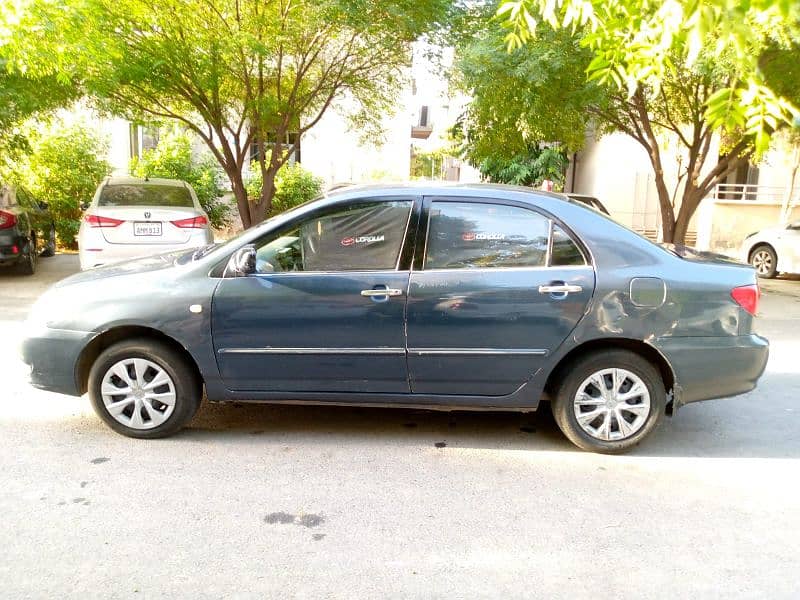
[577, 372]
[27, 266]
[764, 260]
[187, 386]
[50, 248]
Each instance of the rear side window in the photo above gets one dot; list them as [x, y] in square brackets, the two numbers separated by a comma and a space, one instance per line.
[565, 252]
[145, 195]
[464, 235]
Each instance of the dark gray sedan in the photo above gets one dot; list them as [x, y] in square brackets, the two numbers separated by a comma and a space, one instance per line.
[465, 297]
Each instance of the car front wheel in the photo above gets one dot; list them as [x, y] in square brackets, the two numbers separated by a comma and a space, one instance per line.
[764, 261]
[609, 401]
[144, 389]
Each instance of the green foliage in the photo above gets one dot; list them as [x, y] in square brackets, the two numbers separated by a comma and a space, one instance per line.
[529, 169]
[22, 97]
[63, 169]
[172, 159]
[637, 43]
[232, 71]
[522, 99]
[294, 185]
[428, 165]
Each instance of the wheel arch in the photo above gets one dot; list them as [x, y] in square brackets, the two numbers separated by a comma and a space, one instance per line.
[758, 245]
[120, 333]
[643, 349]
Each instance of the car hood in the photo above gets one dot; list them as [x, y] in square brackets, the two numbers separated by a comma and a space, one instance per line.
[158, 262]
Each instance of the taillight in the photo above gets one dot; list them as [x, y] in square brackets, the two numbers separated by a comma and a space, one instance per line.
[747, 297]
[191, 223]
[7, 219]
[98, 221]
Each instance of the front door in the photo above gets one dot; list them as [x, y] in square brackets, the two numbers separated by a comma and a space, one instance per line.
[325, 310]
[500, 287]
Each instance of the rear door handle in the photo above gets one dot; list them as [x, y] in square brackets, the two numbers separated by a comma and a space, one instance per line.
[382, 292]
[560, 289]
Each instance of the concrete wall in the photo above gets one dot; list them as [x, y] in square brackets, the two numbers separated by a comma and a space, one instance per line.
[728, 223]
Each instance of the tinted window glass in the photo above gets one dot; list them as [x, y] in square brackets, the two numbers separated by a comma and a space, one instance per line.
[470, 235]
[565, 251]
[363, 237]
[145, 195]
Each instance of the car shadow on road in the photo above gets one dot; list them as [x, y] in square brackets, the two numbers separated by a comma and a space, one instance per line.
[711, 429]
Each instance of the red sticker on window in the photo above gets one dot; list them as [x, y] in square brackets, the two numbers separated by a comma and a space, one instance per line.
[348, 241]
[468, 236]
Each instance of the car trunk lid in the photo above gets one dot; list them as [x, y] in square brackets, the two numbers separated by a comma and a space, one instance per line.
[145, 225]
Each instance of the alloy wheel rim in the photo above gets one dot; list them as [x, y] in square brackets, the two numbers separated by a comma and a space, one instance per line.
[612, 404]
[138, 393]
[762, 262]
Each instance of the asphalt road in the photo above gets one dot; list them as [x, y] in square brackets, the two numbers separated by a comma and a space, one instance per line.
[258, 501]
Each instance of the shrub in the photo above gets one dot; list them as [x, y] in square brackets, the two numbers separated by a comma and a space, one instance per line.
[172, 159]
[63, 168]
[294, 185]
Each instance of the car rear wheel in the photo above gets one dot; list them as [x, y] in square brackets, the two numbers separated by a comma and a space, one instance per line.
[764, 261]
[27, 265]
[609, 401]
[144, 389]
[50, 248]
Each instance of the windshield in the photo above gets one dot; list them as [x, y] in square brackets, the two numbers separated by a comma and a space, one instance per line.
[145, 195]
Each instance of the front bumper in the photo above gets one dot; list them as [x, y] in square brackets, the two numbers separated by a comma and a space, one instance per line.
[53, 356]
[715, 367]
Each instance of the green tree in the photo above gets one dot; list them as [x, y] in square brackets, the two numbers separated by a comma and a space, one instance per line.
[234, 72]
[63, 168]
[23, 97]
[294, 185]
[172, 159]
[537, 94]
[639, 43]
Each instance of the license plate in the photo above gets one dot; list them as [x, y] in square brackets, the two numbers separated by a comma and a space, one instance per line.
[146, 228]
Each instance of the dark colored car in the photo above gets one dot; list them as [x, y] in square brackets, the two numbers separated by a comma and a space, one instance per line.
[589, 201]
[466, 297]
[26, 230]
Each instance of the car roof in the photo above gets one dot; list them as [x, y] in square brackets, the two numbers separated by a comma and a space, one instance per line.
[143, 181]
[435, 188]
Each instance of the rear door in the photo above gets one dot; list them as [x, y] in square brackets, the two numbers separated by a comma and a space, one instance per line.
[497, 289]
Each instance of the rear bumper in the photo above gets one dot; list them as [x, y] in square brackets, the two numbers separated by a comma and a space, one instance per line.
[53, 355]
[715, 367]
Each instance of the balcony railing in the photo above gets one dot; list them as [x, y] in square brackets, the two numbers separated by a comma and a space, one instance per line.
[768, 194]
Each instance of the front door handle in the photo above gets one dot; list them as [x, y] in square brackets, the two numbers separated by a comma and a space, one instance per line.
[382, 292]
[560, 289]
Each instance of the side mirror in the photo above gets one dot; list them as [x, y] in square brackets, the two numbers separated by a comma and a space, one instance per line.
[84, 206]
[242, 262]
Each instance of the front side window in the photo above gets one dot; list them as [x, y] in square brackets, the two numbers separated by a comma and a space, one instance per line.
[360, 237]
[465, 235]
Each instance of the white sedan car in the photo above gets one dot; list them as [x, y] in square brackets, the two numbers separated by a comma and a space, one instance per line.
[773, 250]
[131, 217]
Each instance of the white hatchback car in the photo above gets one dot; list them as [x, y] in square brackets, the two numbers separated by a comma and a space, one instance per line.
[131, 217]
[773, 250]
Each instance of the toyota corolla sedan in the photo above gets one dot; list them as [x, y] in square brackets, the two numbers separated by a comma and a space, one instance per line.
[466, 297]
[131, 217]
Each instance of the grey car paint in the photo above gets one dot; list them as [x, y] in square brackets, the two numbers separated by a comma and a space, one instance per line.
[704, 341]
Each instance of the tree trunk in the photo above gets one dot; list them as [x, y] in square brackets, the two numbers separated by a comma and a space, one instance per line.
[260, 209]
[665, 204]
[240, 193]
